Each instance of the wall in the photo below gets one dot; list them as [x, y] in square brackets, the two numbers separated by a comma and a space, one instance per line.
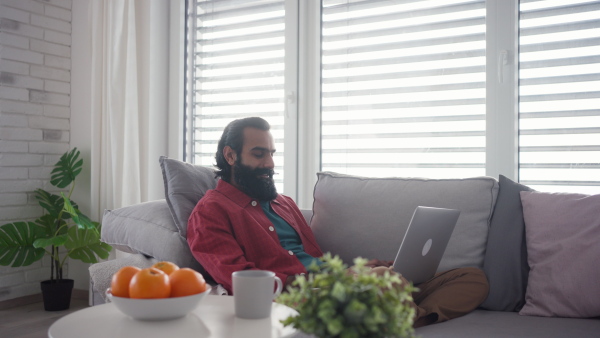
[35, 113]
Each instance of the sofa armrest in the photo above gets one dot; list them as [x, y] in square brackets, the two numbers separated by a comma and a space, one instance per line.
[101, 273]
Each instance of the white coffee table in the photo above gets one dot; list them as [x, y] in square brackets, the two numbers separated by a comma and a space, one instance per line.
[214, 318]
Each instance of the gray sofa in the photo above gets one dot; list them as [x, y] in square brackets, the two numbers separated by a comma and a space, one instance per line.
[357, 216]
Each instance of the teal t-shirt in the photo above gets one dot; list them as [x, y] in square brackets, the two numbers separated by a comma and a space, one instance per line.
[288, 237]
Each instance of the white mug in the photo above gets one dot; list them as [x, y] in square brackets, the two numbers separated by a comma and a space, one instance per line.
[253, 293]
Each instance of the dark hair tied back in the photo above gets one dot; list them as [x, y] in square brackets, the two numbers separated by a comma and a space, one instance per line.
[233, 136]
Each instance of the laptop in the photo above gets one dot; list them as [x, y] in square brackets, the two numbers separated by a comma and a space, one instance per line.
[424, 243]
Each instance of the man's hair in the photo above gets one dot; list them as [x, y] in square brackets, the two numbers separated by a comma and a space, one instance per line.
[233, 136]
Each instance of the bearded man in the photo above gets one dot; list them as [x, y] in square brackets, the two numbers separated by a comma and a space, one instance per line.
[245, 224]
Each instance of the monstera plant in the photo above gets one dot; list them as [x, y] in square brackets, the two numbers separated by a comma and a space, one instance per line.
[62, 232]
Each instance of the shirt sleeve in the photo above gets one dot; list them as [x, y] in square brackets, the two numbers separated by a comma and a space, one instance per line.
[214, 246]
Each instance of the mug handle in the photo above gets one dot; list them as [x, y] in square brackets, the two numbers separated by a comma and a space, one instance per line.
[279, 287]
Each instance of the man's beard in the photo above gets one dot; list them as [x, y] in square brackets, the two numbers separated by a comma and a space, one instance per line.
[253, 184]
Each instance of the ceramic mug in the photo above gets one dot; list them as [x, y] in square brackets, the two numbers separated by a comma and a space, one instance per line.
[253, 293]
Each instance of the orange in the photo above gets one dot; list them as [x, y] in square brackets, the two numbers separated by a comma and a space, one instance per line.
[166, 267]
[119, 285]
[186, 282]
[150, 283]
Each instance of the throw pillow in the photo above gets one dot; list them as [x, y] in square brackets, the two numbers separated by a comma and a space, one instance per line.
[147, 228]
[185, 185]
[360, 216]
[505, 262]
[563, 236]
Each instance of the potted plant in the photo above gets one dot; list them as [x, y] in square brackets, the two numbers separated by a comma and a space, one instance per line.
[331, 302]
[62, 232]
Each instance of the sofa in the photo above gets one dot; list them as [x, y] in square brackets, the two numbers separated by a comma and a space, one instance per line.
[539, 250]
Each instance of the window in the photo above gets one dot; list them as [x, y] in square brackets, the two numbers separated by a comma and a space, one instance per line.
[236, 64]
[404, 88]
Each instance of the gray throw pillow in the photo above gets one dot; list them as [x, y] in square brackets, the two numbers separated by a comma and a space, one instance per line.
[147, 228]
[185, 185]
[505, 262]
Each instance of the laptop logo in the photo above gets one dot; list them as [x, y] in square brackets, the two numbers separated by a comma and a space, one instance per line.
[427, 247]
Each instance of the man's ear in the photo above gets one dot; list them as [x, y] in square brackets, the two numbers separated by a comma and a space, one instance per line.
[230, 155]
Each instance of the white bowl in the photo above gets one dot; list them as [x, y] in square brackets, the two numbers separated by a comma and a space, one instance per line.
[157, 309]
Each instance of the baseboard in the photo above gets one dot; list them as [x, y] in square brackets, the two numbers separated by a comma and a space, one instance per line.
[36, 298]
[20, 301]
[80, 294]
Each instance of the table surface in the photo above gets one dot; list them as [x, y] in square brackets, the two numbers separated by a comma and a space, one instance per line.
[214, 318]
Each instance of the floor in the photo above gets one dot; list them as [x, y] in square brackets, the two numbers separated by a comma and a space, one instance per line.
[26, 317]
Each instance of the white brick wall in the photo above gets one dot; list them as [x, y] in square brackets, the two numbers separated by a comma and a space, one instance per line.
[35, 88]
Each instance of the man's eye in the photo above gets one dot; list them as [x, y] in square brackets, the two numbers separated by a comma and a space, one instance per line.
[259, 155]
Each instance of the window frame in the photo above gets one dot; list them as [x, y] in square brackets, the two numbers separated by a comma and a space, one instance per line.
[502, 95]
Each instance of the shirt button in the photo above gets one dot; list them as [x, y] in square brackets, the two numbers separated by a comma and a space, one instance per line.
[271, 229]
[291, 252]
[254, 203]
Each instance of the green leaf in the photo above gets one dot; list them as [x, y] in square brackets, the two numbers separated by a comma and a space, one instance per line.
[16, 244]
[338, 292]
[48, 223]
[85, 245]
[355, 311]
[80, 219]
[66, 169]
[335, 326]
[53, 203]
[349, 333]
[54, 240]
[326, 310]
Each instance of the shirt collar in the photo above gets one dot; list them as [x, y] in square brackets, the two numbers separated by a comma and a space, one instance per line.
[236, 195]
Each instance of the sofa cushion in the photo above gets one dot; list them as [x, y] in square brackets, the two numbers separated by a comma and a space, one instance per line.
[505, 262]
[563, 236]
[497, 324]
[185, 184]
[148, 229]
[359, 216]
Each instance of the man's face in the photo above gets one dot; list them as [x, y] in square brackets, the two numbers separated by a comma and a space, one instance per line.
[252, 171]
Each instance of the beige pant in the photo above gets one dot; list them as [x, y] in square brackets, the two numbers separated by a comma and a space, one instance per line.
[447, 295]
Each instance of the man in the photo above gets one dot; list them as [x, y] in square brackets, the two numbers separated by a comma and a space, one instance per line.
[245, 224]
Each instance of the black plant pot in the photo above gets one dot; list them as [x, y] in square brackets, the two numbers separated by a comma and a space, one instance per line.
[57, 294]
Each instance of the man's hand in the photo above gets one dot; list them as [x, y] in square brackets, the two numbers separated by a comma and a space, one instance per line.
[289, 280]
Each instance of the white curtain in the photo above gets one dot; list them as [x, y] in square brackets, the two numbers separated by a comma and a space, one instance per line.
[129, 105]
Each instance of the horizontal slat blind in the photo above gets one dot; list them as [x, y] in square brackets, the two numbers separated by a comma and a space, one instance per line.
[559, 104]
[403, 88]
[238, 71]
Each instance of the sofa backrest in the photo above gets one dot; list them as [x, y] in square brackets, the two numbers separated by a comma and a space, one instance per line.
[358, 216]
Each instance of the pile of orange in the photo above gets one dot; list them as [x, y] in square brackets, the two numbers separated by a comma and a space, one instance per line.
[161, 280]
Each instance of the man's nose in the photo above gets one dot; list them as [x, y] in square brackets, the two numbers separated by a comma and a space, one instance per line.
[269, 162]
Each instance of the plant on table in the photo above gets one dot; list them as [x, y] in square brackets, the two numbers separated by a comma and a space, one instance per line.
[62, 232]
[331, 302]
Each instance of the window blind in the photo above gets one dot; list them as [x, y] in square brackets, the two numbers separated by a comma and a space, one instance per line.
[403, 88]
[236, 70]
[559, 103]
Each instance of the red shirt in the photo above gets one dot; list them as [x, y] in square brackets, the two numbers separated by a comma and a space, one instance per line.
[228, 231]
